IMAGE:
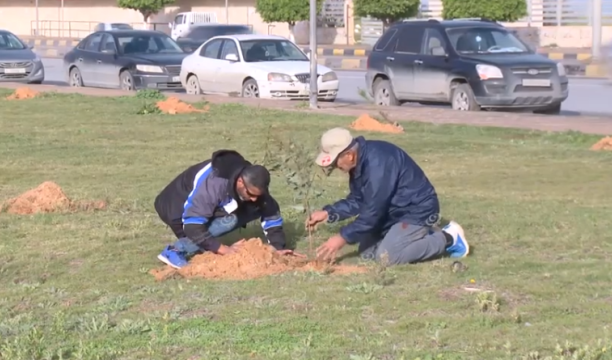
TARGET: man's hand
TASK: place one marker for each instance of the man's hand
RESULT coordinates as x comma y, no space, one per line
316,218
330,248
226,250
286,252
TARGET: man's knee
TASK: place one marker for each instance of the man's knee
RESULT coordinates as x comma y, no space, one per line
222,225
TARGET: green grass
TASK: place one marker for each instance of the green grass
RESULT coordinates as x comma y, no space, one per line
535,206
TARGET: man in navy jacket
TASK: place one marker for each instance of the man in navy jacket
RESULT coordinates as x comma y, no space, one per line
395,204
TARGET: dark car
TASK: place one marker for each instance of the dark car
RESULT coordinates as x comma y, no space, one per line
200,34
18,63
472,64
126,59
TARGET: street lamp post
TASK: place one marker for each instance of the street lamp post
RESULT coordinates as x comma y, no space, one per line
313,55
596,27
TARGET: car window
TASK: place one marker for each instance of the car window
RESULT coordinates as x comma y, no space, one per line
108,44
148,44
179,19
9,41
229,47
207,32
384,40
485,40
410,40
211,50
433,39
271,50
93,43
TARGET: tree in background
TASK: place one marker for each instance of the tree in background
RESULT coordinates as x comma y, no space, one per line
145,7
497,10
387,11
285,11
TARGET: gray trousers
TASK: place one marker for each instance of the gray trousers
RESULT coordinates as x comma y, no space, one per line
406,244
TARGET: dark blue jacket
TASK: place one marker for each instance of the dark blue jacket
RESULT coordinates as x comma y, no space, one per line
387,187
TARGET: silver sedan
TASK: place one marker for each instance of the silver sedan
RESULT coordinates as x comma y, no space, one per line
18,63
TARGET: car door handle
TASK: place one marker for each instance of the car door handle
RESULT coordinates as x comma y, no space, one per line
418,61
80,59
390,58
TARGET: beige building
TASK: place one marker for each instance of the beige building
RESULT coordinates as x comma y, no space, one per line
76,18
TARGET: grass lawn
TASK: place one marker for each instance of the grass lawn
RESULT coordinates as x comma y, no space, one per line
535,206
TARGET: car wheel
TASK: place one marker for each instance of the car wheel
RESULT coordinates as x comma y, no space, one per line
126,80
75,78
383,94
193,85
250,89
463,98
551,110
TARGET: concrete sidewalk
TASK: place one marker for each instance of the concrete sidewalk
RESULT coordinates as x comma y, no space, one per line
598,125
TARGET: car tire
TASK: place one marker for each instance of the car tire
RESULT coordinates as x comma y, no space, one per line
383,93
193,85
551,110
463,98
126,81
250,89
76,80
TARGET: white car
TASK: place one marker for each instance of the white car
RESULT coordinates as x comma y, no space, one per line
252,65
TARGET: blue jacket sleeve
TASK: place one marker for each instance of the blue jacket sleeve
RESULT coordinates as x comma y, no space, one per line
343,209
373,207
198,210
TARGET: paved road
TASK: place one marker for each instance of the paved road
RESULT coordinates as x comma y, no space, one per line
587,96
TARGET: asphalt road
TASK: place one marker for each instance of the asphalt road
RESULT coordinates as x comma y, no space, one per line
587,96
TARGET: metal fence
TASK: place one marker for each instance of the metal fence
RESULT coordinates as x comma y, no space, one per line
79,29
573,12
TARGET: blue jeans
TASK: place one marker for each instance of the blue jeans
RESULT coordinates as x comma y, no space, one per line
218,227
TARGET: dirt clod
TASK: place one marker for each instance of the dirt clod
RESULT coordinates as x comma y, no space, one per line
173,105
253,259
48,197
367,123
603,144
23,93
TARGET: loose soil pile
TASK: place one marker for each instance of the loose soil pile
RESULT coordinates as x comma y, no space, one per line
603,144
48,197
367,123
253,259
23,93
173,105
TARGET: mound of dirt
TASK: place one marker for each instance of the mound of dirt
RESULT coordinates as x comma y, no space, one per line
367,123
23,93
603,144
253,259
48,197
173,105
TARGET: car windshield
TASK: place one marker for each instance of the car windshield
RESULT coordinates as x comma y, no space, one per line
121,27
207,32
148,44
271,50
486,40
9,41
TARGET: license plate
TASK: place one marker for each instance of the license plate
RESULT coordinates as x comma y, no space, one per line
536,82
176,78
14,71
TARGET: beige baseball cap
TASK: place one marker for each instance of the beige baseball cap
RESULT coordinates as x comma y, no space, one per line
333,142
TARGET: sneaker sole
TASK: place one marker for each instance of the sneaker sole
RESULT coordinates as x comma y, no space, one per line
462,234
166,261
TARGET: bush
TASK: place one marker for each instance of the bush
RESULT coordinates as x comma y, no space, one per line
497,10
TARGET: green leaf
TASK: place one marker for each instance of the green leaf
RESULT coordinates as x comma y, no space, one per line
388,11
285,11
145,7
497,10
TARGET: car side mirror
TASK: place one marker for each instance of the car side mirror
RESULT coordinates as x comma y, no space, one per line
438,51
231,57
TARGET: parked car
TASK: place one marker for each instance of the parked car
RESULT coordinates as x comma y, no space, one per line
472,64
183,21
112,26
263,66
198,35
18,63
126,59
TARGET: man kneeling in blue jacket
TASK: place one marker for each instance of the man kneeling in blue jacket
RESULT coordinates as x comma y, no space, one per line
395,204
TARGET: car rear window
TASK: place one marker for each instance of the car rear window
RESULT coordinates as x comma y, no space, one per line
384,40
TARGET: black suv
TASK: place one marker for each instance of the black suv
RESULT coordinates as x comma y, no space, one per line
472,64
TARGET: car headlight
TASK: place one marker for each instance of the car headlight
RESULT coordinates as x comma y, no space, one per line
279,77
149,68
561,69
486,72
330,76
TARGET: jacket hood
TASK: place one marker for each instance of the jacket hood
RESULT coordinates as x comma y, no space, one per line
228,164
